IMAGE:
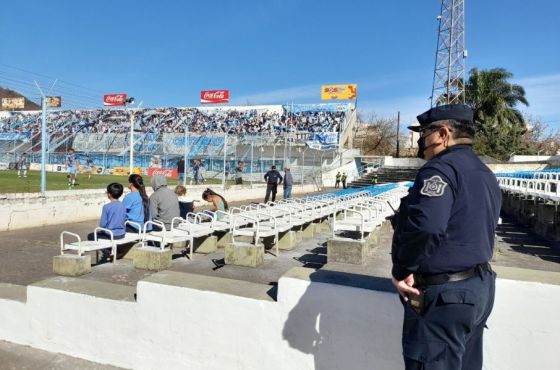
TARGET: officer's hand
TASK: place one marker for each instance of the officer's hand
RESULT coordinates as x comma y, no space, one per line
406,286
393,219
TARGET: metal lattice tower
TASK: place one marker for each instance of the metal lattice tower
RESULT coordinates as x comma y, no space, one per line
448,86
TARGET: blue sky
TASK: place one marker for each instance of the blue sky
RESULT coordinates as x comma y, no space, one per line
272,51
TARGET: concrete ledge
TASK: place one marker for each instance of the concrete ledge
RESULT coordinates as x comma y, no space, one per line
151,258
299,236
519,274
308,230
129,254
368,282
89,287
287,240
206,244
13,292
346,250
212,284
72,265
224,239
244,254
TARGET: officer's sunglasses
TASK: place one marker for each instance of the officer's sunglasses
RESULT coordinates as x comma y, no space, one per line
430,128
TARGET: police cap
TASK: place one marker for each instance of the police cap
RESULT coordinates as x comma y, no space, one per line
458,112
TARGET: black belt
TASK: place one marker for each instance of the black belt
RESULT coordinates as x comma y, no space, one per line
425,280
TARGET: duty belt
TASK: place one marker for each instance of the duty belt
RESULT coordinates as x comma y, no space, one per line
425,280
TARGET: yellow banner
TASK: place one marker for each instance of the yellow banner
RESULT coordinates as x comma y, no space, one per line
123,171
339,92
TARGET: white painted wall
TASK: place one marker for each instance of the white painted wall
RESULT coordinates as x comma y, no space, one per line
312,326
23,210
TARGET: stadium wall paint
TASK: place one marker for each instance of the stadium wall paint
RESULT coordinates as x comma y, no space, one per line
23,210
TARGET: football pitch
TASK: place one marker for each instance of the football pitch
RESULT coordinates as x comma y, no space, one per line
11,183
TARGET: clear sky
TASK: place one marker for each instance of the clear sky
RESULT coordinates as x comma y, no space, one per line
271,51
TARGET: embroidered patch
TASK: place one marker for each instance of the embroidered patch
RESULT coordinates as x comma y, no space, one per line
433,187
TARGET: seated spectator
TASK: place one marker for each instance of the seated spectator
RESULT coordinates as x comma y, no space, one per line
113,217
137,203
218,202
163,202
186,205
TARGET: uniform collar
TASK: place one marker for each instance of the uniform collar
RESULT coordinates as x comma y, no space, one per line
453,148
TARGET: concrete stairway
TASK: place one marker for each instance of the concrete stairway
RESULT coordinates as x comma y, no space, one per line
386,175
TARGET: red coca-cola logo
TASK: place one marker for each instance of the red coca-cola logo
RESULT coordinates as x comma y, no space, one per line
167,172
114,99
214,96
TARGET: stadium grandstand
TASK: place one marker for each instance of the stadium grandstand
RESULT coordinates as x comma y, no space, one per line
297,134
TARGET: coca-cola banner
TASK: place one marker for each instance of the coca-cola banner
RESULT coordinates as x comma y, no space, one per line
214,96
167,172
114,100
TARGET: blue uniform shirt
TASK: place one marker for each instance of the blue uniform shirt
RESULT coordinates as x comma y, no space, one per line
446,223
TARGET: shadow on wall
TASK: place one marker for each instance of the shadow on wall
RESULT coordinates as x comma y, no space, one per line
344,327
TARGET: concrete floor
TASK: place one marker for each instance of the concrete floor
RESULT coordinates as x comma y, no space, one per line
18,357
26,257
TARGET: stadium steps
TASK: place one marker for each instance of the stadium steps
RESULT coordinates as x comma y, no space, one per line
386,175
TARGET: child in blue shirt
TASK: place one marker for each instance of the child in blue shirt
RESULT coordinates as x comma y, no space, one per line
113,215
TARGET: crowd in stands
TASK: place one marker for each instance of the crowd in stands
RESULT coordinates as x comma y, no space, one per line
174,120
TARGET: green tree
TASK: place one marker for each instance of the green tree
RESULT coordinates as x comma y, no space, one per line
500,126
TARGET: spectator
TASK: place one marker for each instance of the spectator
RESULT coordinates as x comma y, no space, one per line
137,203
181,171
23,165
273,179
239,172
113,217
218,202
288,182
343,179
163,202
186,205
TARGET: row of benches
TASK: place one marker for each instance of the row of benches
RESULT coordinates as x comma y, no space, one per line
358,211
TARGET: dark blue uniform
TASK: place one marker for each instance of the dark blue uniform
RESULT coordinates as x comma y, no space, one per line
445,231
273,179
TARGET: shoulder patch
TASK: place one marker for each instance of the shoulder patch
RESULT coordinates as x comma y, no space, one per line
433,187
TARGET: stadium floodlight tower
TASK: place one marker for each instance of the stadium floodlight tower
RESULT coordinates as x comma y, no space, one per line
449,85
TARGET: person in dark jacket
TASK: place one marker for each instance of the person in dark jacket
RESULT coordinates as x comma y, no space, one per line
288,182
273,179
442,245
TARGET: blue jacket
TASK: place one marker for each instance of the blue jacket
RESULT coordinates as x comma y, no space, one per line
447,222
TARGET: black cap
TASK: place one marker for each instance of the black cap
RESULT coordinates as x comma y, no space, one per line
459,112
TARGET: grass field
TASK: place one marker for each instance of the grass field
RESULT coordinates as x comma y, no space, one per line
10,183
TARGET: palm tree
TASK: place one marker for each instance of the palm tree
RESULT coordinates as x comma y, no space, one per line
494,100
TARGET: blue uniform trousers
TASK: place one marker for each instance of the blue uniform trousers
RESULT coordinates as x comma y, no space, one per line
447,334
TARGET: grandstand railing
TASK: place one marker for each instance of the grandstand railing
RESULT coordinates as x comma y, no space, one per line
544,184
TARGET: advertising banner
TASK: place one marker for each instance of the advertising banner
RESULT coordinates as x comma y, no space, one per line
167,172
13,103
339,92
114,100
54,101
214,96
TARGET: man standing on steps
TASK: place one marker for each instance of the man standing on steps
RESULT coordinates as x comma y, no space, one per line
442,245
337,182
343,179
273,179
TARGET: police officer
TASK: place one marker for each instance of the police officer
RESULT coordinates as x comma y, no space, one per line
273,179
443,240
